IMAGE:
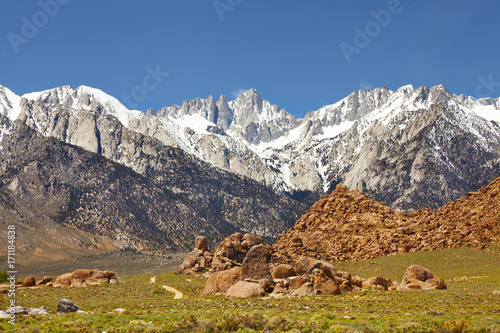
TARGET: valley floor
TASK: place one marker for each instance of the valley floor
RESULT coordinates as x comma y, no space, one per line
468,305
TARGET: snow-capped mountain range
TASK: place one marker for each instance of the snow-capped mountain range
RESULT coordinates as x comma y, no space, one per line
397,146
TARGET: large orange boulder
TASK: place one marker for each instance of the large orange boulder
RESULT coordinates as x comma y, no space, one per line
219,282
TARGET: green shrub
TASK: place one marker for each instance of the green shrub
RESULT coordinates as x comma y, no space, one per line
3,276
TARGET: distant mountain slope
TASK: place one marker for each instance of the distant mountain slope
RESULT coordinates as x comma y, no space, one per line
394,145
65,199
346,225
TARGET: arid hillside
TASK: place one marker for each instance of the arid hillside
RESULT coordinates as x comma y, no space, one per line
346,225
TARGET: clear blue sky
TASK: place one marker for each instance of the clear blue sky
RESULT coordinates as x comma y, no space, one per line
289,50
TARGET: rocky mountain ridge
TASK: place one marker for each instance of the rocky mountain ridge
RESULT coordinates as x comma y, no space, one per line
357,141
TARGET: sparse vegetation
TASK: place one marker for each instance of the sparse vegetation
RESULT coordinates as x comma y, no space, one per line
468,305
3,276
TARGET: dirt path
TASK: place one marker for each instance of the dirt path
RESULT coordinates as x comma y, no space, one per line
177,293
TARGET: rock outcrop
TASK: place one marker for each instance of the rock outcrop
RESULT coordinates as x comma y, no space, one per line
346,225
230,253
418,277
305,276
84,278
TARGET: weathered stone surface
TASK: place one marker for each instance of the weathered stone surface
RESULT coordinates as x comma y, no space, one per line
323,285
29,281
305,265
221,281
365,228
296,282
376,282
66,305
418,277
44,281
304,290
200,243
83,278
251,240
64,280
283,271
416,272
245,289
255,265
39,311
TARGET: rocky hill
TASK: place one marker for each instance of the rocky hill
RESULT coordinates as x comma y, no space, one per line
65,199
346,225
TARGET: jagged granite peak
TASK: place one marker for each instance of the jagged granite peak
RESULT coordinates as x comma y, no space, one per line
351,141
353,107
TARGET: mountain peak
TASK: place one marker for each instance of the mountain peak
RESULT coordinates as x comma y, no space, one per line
249,93
406,89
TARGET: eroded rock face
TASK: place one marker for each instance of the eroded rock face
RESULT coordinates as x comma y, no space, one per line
255,266
200,244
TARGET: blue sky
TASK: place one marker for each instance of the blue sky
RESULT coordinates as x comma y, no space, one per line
292,52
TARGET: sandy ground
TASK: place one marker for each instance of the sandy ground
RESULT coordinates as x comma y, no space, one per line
177,293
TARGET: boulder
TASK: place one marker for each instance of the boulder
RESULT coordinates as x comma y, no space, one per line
221,281
418,277
280,288
200,243
305,265
255,265
39,311
64,280
376,282
20,310
252,240
283,271
29,281
191,259
230,248
416,272
437,283
65,305
44,281
357,281
323,285
296,282
244,289
304,290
